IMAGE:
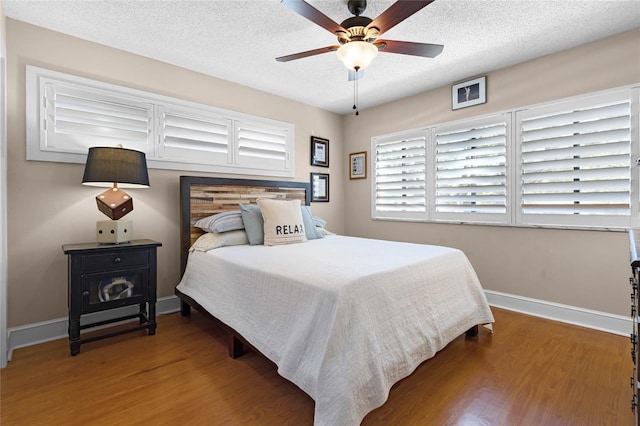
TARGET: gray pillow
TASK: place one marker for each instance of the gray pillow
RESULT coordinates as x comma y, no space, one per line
253,223
309,225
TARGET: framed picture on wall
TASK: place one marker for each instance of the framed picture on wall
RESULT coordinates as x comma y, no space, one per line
469,93
319,152
358,165
320,187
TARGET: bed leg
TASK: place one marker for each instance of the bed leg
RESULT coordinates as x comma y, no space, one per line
472,332
185,309
235,346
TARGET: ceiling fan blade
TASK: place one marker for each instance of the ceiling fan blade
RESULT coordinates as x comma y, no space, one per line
307,53
396,13
303,8
409,48
355,75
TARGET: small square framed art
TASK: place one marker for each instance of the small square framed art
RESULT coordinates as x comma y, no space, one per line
320,187
358,165
319,152
469,93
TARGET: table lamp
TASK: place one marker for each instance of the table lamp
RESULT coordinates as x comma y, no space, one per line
115,168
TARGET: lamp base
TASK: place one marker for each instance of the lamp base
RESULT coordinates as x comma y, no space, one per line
114,231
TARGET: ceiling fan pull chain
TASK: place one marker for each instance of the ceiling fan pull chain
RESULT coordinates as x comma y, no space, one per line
355,91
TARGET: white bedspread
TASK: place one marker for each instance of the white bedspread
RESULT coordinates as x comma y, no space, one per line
343,318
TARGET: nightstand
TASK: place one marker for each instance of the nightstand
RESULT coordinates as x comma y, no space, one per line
108,276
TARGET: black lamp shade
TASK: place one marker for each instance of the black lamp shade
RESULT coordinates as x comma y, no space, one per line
125,167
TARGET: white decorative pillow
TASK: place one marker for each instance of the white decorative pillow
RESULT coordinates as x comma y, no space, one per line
283,222
210,240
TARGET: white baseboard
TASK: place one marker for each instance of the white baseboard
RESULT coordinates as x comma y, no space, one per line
603,321
32,334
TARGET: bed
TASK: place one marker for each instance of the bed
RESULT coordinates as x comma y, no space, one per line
343,318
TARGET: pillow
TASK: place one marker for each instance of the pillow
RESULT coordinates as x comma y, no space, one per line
210,241
221,222
282,221
323,232
253,223
319,222
309,226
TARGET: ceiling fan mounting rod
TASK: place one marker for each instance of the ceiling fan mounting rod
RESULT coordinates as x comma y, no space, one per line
357,7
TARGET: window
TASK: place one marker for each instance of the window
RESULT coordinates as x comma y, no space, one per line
575,162
67,114
470,174
400,170
195,137
562,164
261,146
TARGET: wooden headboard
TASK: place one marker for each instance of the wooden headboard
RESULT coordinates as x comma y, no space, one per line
204,196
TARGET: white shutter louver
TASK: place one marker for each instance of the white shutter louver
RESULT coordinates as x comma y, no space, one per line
78,118
262,146
68,114
575,163
400,169
471,170
193,137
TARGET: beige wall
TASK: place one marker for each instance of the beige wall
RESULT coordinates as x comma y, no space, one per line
3,196
588,269
47,205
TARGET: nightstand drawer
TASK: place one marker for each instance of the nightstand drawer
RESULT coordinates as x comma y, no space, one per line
117,260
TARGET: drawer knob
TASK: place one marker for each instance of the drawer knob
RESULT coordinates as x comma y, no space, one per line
117,260
85,293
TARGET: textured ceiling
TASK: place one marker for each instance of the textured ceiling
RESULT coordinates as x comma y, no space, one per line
238,40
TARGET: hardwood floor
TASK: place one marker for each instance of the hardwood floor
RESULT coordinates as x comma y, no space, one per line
529,372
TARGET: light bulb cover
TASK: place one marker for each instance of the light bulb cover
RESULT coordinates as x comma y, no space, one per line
357,55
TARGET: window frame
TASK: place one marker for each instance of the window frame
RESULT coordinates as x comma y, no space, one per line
390,138
513,216
475,217
37,122
564,220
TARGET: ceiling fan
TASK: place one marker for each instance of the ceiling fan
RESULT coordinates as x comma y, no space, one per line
358,35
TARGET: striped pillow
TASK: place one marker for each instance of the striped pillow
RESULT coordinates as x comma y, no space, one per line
221,222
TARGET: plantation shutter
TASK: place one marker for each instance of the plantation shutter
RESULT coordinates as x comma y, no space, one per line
76,118
471,170
68,114
195,137
262,146
400,167
576,163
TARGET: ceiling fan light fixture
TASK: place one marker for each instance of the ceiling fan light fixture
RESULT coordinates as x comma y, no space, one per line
357,55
